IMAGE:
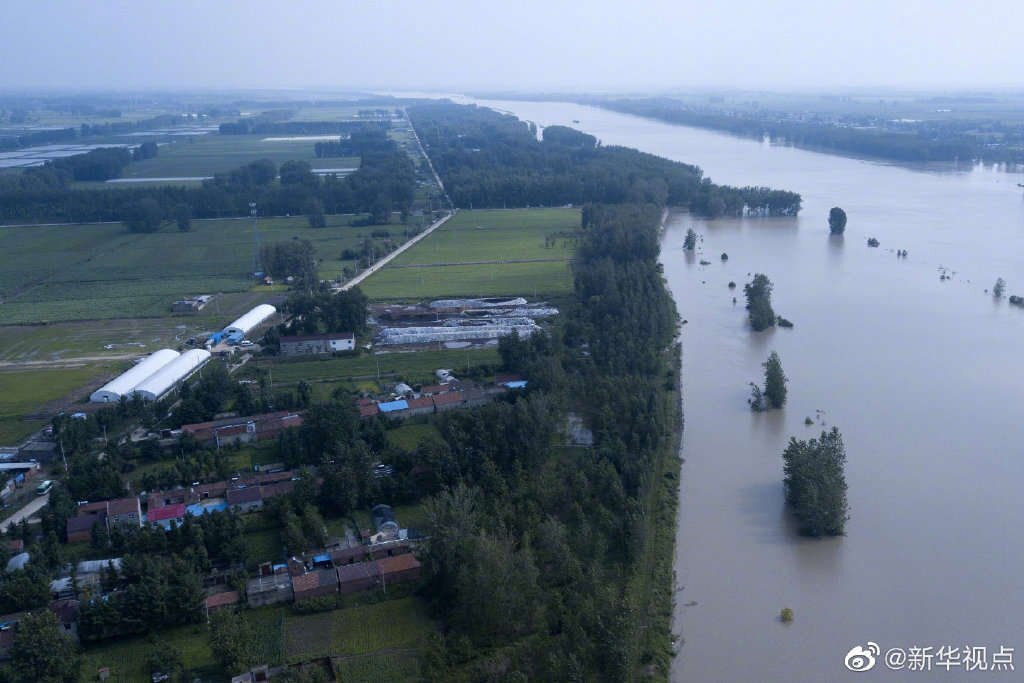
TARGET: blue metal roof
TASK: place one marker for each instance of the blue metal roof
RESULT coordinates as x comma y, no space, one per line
321,558
392,406
517,384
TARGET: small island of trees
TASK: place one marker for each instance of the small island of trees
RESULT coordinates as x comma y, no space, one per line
759,302
815,483
690,241
774,393
836,221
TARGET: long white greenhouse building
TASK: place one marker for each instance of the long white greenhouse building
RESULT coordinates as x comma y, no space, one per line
251,320
125,383
170,375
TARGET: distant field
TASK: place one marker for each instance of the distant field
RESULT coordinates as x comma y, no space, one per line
412,367
99,271
205,155
361,630
474,236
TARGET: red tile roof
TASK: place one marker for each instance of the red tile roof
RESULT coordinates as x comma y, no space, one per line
222,599
450,398
417,403
168,512
398,563
369,411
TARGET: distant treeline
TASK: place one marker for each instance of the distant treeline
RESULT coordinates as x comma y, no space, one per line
62,135
384,183
365,140
487,159
261,125
919,141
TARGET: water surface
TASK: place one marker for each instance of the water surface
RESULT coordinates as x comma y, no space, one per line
921,375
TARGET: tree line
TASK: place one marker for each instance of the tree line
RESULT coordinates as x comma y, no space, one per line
383,184
487,160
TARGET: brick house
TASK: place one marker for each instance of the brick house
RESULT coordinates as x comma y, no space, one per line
315,584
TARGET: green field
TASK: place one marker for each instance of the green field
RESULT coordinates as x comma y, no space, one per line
127,657
411,367
409,436
23,392
493,235
100,271
205,155
360,630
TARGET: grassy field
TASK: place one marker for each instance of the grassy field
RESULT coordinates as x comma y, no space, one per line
384,668
412,367
361,630
205,155
23,392
127,657
493,235
100,271
409,436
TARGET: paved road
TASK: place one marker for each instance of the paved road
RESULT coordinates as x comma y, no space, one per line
387,259
26,512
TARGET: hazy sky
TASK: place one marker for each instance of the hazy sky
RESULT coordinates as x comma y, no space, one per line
525,45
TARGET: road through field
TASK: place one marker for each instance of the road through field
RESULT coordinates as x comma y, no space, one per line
387,259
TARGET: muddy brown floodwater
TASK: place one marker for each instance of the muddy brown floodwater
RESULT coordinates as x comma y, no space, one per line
923,377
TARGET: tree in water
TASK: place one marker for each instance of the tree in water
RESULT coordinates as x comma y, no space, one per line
690,242
759,302
998,288
815,483
836,221
774,381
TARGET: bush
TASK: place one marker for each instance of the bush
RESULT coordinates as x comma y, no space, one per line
786,615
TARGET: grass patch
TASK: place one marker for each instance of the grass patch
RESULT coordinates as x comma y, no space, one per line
409,436
411,516
358,630
127,657
263,546
411,367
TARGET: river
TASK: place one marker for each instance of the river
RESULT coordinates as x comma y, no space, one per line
921,375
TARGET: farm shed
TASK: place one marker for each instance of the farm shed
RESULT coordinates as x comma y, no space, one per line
126,382
170,375
251,320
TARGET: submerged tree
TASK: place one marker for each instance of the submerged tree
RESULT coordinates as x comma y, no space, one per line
759,302
836,221
815,483
998,288
774,381
690,242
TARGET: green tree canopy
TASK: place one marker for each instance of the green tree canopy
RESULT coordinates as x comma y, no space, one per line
815,482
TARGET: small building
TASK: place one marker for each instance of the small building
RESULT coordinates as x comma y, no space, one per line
315,584
79,529
219,601
269,590
167,516
398,569
191,304
361,576
66,611
396,409
315,344
245,500
18,562
232,430
125,513
343,556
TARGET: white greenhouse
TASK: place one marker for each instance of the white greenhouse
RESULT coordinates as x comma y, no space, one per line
170,375
251,320
125,383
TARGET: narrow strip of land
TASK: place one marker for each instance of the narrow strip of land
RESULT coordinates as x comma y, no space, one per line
482,263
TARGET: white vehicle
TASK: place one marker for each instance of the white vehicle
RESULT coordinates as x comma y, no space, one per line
245,342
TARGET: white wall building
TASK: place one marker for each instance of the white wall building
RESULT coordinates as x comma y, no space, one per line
172,374
125,383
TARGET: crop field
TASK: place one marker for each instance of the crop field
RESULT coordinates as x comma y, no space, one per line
100,271
205,155
360,630
470,254
382,668
411,367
